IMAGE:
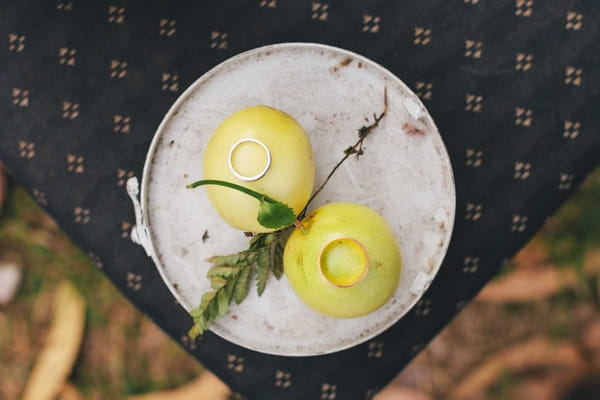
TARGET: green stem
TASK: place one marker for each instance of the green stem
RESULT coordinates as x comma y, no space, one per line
249,192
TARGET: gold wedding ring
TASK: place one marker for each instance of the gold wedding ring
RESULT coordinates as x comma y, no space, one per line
343,262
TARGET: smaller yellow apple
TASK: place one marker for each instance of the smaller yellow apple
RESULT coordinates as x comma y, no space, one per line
262,149
344,261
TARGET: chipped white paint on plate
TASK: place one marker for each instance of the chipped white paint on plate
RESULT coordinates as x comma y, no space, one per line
404,176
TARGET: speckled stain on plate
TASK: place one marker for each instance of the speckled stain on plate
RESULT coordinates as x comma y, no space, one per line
405,175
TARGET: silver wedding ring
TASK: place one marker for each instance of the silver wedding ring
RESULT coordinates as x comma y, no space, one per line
245,177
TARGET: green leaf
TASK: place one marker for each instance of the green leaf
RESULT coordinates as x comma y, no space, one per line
223,271
206,300
222,303
270,238
198,328
276,255
257,241
242,286
196,312
216,282
212,310
230,288
262,272
262,259
231,259
277,262
273,214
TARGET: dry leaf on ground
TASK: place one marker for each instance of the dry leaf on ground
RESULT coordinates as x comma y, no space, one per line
527,284
54,363
538,351
399,392
533,256
69,392
205,387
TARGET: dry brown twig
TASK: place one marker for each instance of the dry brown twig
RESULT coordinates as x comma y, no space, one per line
356,148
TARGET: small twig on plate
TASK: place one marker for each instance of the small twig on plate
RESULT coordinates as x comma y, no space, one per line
357,148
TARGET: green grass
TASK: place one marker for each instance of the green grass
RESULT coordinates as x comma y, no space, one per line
575,229
503,389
